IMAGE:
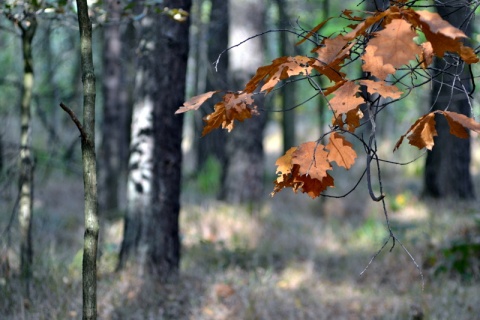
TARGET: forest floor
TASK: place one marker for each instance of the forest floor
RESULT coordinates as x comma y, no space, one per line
289,257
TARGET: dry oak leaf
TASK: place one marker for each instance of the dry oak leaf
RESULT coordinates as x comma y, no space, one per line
427,53
351,121
340,151
382,88
314,187
458,122
284,163
367,23
312,160
395,43
285,177
346,98
291,176
374,64
195,102
234,106
303,183
330,56
444,37
436,24
421,133
280,69
423,130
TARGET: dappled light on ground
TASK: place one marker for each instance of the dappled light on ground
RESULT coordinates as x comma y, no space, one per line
286,258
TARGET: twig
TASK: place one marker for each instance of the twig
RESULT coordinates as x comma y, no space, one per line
215,64
74,118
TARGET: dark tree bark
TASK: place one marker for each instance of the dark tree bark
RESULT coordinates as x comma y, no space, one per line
287,92
217,41
151,240
244,170
114,113
447,168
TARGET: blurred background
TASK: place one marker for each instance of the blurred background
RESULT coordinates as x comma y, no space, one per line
244,255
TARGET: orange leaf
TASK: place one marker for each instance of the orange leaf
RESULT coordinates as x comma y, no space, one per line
311,158
458,122
281,68
349,121
299,170
234,106
427,53
341,151
363,26
374,64
443,36
436,24
395,43
195,102
333,88
382,88
284,163
314,187
346,98
285,177
422,133
331,54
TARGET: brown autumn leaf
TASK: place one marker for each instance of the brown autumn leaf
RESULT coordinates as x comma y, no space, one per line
458,122
195,102
215,119
284,163
443,36
395,43
280,69
330,56
421,133
303,171
364,25
346,98
436,24
341,151
312,160
284,170
313,187
427,54
423,130
286,181
375,65
382,88
234,106
333,88
349,121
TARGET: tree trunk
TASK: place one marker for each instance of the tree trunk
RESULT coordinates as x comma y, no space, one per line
244,169
287,92
217,40
28,27
151,239
114,113
447,168
87,130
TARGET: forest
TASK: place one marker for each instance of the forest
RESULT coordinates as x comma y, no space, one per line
145,146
